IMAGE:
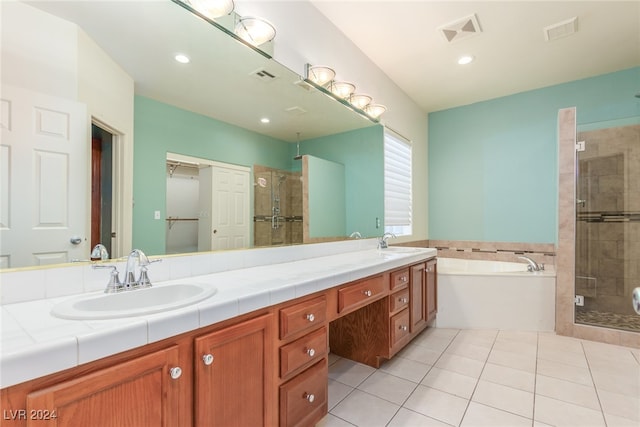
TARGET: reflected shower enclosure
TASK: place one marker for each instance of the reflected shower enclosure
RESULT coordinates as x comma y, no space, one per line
608,226
277,207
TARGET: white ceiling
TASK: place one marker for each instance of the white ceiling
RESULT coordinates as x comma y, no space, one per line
511,53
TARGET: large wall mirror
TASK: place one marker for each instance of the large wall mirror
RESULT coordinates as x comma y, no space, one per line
103,76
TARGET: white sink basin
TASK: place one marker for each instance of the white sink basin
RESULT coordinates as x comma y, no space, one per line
132,303
401,250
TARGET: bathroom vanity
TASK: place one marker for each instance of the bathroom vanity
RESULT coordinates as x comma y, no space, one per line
266,366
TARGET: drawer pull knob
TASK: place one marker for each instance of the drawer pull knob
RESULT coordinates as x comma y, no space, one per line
402,327
175,372
311,352
309,397
311,317
367,293
207,359
403,278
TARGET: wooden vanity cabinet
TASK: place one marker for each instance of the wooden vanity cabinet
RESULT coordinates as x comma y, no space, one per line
303,366
233,375
417,292
144,391
431,289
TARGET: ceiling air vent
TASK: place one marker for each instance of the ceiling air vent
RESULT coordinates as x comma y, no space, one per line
461,29
264,75
561,29
295,111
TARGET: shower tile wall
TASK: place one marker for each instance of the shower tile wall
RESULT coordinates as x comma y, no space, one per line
607,236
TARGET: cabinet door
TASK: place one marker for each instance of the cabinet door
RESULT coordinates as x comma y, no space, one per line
232,375
431,287
416,285
140,392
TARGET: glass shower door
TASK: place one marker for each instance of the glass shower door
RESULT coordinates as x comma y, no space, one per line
608,226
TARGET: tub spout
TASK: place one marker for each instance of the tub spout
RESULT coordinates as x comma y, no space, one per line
533,266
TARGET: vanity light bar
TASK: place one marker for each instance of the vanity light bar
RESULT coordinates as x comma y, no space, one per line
323,78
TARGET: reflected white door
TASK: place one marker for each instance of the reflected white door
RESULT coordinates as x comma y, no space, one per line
44,176
224,221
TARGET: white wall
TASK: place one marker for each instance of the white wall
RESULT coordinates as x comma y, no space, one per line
304,35
46,54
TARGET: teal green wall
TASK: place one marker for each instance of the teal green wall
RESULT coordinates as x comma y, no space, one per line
160,128
362,154
493,165
327,210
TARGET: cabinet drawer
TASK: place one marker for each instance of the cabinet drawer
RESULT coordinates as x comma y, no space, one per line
303,316
399,279
359,294
303,400
303,351
399,300
399,326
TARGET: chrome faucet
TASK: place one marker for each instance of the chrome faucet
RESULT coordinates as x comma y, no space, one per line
130,281
99,252
382,241
355,235
533,266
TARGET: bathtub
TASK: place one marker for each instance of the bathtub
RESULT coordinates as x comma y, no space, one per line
475,294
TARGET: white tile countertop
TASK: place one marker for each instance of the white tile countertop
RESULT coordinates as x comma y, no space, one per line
35,343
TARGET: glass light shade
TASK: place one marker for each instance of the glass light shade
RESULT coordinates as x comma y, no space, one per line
320,75
255,31
375,110
342,89
212,8
360,100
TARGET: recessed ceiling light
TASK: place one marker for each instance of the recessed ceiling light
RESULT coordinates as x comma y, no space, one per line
465,59
265,120
182,58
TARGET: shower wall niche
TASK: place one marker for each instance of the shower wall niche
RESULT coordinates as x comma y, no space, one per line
277,207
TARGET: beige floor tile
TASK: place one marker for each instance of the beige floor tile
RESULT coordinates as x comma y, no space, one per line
432,342
363,409
627,384
513,360
564,372
518,336
461,365
508,399
614,421
522,380
349,372
406,368
337,392
420,354
388,387
333,421
479,415
480,337
472,351
407,418
567,391
437,404
550,341
620,405
561,356
562,414
450,382
518,347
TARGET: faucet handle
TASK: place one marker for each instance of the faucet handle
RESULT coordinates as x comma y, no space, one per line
114,284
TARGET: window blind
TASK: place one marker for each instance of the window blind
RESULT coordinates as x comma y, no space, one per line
397,183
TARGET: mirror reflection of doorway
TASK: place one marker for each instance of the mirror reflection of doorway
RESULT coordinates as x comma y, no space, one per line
207,205
102,142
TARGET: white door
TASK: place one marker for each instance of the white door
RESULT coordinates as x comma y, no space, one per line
224,221
44,176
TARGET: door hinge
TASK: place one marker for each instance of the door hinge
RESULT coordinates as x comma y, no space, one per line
580,146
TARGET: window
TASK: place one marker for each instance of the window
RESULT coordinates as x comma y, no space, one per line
397,184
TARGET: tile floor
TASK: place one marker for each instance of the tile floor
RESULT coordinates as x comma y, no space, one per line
450,377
